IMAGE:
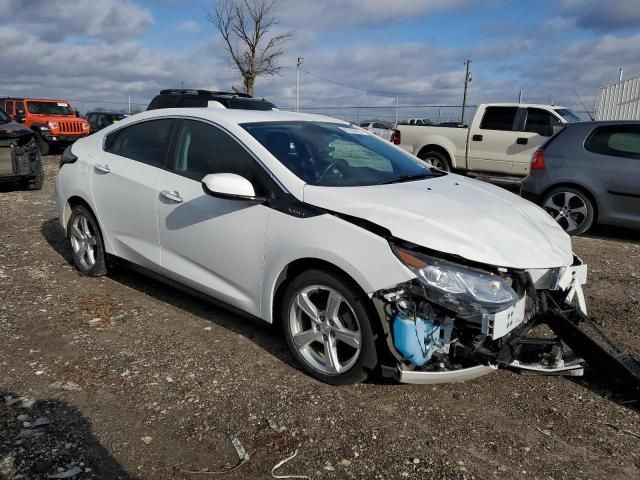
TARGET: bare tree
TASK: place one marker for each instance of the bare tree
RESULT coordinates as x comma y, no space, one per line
245,26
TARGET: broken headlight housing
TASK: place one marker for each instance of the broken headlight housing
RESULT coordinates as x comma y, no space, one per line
457,287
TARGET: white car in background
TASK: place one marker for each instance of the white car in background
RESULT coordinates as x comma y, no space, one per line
370,260
378,128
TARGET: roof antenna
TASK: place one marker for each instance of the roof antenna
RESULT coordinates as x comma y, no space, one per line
583,106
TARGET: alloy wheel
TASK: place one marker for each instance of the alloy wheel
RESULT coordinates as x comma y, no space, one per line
568,209
83,241
325,329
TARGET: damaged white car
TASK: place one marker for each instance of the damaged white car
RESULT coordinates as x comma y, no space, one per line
370,260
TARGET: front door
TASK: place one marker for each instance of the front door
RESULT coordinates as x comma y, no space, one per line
491,146
212,244
617,149
538,128
124,182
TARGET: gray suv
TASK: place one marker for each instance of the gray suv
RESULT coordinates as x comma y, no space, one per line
588,173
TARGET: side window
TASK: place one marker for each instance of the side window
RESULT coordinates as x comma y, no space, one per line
145,142
499,118
618,140
202,149
19,107
9,108
540,121
378,125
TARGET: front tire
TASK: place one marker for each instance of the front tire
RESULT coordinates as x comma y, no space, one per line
571,208
85,240
325,321
36,182
42,145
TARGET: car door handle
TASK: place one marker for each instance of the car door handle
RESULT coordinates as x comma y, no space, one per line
103,168
522,141
173,196
477,138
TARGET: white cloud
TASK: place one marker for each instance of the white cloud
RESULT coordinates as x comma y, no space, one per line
55,20
327,14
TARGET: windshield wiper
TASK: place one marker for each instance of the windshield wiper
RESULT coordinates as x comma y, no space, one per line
411,178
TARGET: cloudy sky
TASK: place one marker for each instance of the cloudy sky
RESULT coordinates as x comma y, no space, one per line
109,50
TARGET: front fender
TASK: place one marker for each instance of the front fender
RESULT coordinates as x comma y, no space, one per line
364,256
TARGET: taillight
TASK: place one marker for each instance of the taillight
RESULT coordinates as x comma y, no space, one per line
395,137
537,162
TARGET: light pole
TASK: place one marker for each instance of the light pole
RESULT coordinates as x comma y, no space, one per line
467,79
300,59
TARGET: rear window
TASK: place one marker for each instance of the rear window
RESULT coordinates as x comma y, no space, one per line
615,140
499,118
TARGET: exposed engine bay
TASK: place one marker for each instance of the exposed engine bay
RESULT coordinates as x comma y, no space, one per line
455,322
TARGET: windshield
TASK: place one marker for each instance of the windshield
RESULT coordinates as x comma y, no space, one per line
569,115
337,155
49,108
4,118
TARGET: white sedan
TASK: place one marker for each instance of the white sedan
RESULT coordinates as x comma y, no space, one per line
370,260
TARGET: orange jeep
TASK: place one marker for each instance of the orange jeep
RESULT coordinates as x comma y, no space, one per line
53,121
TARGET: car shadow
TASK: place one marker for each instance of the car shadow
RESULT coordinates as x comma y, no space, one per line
39,437
264,335
617,234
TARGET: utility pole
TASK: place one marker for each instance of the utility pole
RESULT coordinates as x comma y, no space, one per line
467,79
620,75
129,109
396,111
520,97
300,59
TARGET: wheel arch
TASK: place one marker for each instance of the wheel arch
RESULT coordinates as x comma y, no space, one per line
71,202
295,268
434,147
575,186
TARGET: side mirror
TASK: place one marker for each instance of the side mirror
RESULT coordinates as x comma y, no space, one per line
230,186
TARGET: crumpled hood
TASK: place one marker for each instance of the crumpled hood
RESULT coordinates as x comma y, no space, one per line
456,215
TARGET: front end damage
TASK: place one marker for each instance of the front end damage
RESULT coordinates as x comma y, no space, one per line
458,321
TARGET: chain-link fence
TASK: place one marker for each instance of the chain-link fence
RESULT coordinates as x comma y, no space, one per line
83,106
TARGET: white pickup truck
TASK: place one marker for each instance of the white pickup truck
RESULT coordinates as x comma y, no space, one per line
500,141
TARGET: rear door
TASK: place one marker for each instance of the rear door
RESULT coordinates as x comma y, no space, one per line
215,245
536,125
124,183
618,149
492,142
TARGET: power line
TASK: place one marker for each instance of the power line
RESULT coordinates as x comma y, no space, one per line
381,92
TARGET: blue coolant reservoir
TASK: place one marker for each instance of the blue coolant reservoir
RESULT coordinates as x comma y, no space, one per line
416,339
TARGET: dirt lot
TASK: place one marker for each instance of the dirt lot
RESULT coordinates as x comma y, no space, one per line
121,377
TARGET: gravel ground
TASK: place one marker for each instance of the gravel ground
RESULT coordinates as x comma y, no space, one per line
122,377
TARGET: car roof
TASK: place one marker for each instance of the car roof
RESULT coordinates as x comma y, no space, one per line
236,116
526,105
598,123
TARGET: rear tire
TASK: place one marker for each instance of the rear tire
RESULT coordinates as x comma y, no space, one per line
437,160
85,241
571,208
325,321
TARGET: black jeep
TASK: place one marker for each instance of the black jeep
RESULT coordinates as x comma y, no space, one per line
19,154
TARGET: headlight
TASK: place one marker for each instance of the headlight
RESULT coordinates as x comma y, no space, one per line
85,126
53,125
457,287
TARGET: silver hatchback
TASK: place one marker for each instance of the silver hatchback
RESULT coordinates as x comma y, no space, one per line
588,173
